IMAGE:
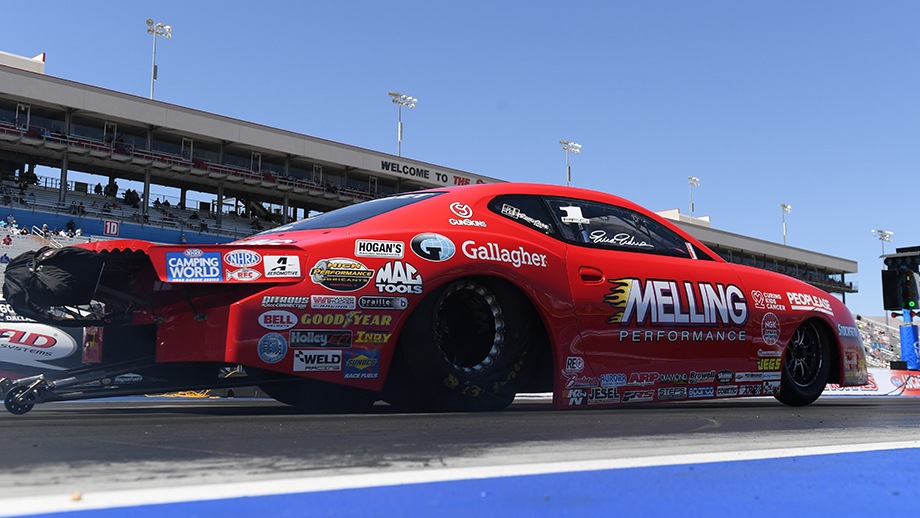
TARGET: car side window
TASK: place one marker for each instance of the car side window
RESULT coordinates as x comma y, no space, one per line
529,211
599,225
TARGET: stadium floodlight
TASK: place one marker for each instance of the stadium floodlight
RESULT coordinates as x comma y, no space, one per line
569,147
786,210
157,29
694,182
401,100
884,236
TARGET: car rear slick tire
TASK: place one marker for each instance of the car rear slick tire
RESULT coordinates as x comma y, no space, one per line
806,366
469,346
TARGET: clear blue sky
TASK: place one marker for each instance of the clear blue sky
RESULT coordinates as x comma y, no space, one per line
809,103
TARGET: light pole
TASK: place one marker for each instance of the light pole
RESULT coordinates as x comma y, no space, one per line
157,29
569,147
883,236
401,100
786,210
694,182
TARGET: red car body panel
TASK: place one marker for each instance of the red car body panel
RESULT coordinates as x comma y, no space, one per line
623,325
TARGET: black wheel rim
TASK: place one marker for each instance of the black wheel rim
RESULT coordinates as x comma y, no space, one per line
14,404
804,357
469,326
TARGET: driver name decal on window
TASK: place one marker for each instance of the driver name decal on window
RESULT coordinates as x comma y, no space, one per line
621,239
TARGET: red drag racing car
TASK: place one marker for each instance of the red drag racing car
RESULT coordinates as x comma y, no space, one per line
447,299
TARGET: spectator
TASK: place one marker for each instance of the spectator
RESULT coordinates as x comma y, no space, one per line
45,230
98,189
7,240
71,226
4,259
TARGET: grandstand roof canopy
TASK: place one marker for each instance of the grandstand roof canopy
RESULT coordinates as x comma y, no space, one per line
77,127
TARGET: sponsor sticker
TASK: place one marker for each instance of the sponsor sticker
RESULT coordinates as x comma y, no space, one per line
341,274
465,213
243,275
332,301
194,265
770,328
372,337
638,396
296,302
727,391
280,266
494,252
771,388
574,364
613,380
317,360
641,379
277,320
379,302
701,392
32,344
702,377
361,365
352,318
376,248
433,247
242,258
398,277
725,376
768,301
272,348
599,395
320,338
748,376
666,303
667,393
769,364
749,390
576,396
807,302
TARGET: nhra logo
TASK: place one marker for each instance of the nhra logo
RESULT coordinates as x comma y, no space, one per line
433,247
398,277
242,258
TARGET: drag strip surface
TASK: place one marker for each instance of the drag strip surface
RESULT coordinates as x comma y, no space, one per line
90,447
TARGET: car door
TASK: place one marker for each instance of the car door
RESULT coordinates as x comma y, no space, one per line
658,316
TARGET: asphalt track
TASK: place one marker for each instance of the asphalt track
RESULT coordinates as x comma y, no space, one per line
845,456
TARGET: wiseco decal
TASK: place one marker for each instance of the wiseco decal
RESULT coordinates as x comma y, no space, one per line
668,303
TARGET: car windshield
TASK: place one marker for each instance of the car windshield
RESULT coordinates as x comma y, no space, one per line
353,213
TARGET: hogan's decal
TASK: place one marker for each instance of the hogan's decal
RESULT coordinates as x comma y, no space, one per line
669,303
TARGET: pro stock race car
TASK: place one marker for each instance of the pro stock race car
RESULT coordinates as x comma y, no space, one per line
448,299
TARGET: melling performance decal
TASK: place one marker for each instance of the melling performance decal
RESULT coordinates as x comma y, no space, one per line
193,265
341,274
667,303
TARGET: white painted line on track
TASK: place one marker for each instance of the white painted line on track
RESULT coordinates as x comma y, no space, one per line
108,499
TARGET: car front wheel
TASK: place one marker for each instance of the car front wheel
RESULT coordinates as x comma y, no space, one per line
806,366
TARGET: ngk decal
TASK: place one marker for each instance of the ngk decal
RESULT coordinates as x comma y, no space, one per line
32,344
770,329
398,277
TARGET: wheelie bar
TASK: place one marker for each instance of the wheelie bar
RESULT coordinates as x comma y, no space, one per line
22,394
